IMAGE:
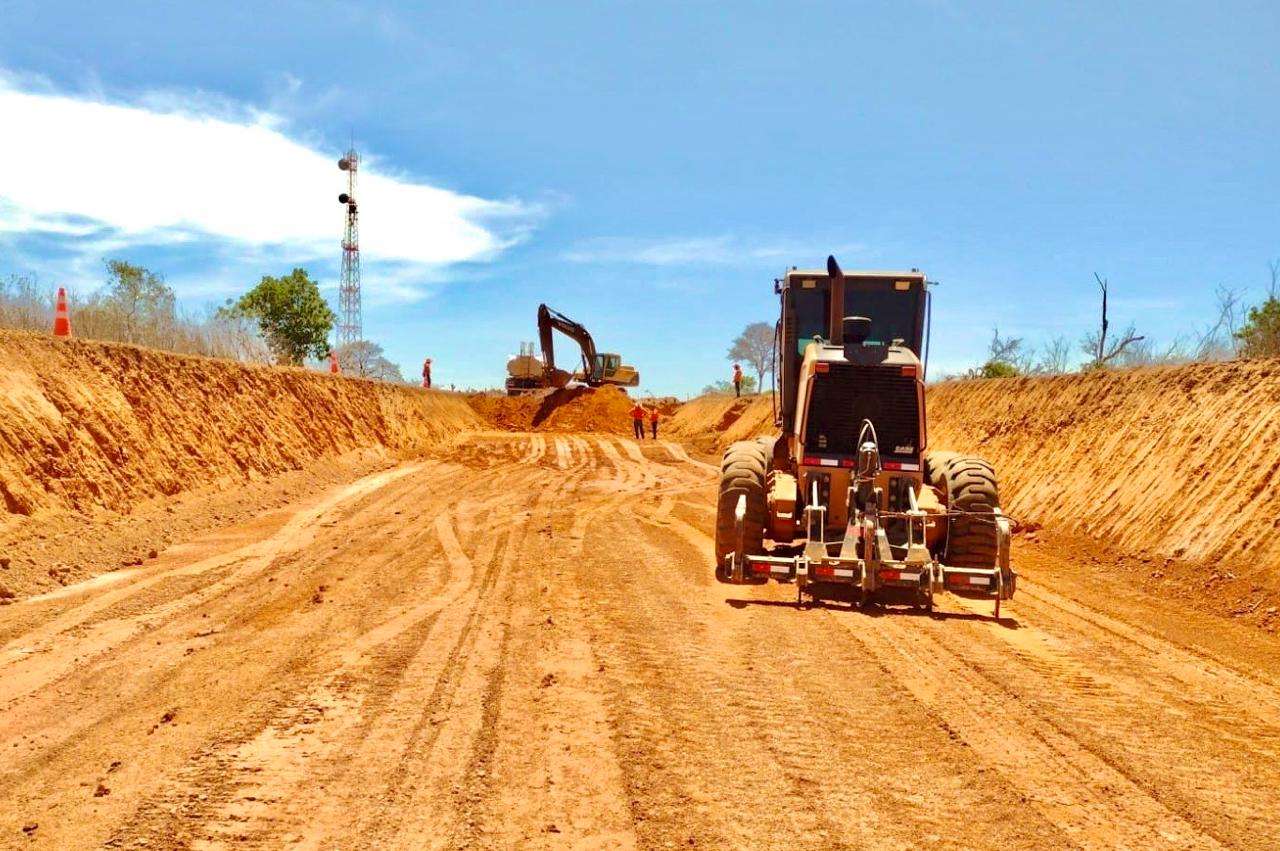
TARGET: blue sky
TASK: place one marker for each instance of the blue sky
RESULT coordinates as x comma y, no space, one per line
649,168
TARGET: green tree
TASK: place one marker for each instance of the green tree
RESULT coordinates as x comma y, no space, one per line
754,347
1260,335
291,314
1005,358
142,300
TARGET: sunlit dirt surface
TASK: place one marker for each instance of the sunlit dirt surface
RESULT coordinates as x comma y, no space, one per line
520,645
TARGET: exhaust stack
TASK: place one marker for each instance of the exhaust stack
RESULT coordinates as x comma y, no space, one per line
835,316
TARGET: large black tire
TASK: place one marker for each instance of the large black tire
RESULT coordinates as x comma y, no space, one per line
742,471
970,486
766,443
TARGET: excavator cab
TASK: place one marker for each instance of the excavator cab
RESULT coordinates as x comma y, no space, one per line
605,366
608,368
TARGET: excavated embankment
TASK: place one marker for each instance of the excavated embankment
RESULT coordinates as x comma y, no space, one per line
87,425
1182,460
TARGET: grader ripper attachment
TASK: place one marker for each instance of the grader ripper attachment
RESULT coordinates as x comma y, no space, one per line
848,502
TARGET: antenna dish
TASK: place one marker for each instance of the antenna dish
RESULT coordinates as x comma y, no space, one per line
344,198
344,164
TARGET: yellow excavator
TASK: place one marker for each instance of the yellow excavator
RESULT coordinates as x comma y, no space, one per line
527,373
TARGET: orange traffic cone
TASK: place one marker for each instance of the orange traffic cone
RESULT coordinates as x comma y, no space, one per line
62,316
333,363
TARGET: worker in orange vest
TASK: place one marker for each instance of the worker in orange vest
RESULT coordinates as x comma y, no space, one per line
653,421
637,420
737,380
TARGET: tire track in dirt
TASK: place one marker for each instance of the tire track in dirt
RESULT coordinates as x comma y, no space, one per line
513,651
583,449
461,764
537,449
1248,686
240,631
679,453
1201,740
632,449
44,654
1095,803
908,649
274,774
93,628
1098,803
705,717
260,790
564,455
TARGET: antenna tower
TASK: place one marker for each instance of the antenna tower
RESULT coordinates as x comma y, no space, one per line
349,325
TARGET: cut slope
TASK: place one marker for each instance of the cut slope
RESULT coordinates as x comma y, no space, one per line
86,425
1182,461
711,423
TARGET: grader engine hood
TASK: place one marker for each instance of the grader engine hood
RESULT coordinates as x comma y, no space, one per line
843,395
843,386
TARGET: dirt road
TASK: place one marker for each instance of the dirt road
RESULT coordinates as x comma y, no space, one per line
521,647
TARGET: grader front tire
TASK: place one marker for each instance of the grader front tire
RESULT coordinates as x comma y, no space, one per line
742,473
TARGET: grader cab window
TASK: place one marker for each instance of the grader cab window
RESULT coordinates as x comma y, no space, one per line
893,313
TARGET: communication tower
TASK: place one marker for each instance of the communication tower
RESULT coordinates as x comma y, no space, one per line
349,325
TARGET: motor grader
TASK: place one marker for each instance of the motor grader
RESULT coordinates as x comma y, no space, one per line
848,501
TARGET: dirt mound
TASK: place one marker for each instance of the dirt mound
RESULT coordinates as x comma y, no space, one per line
711,423
87,426
505,413
570,409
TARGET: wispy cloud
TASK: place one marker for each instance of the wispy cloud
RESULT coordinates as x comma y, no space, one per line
171,167
702,251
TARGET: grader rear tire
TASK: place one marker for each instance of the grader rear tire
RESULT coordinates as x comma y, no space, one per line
970,486
742,472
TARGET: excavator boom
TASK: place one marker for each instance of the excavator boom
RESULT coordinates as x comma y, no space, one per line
549,320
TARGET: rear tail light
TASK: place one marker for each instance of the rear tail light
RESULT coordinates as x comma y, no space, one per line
968,579
824,571
760,567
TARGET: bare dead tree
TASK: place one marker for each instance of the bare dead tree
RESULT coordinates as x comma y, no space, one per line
1004,349
1056,357
1218,340
1096,344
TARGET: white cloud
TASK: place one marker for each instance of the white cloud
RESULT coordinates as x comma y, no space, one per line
172,168
701,251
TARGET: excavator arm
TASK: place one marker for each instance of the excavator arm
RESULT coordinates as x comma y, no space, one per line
549,320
